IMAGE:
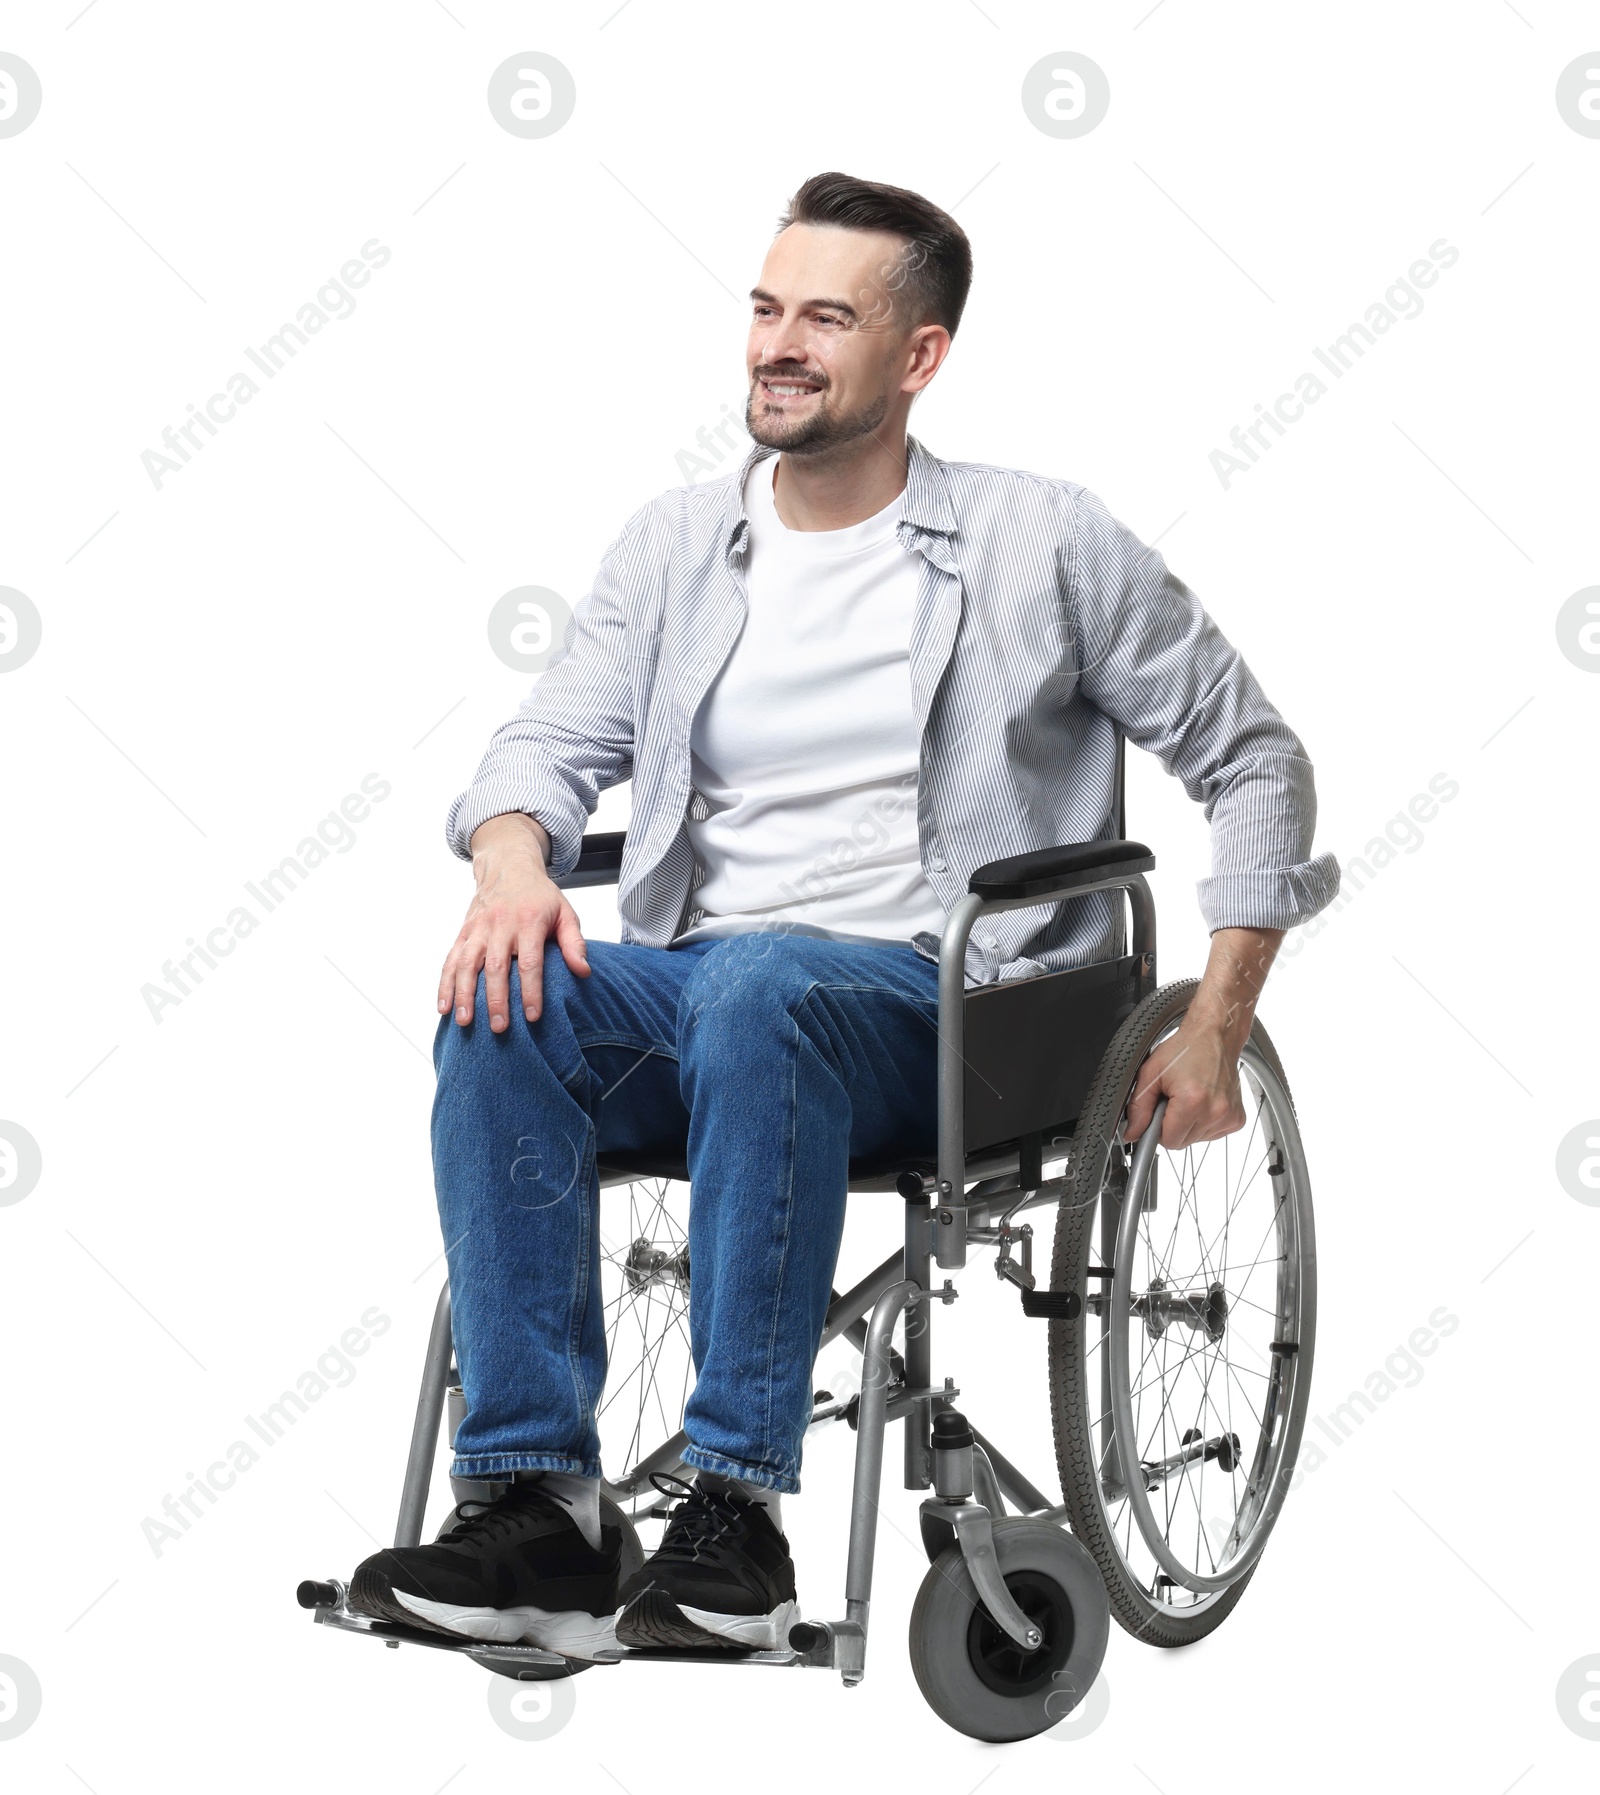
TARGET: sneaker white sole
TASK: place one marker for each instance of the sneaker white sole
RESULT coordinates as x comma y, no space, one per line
758,1632
573,1633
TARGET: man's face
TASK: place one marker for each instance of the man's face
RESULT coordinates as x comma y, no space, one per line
830,337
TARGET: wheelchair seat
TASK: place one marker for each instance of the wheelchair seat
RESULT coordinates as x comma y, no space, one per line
878,1174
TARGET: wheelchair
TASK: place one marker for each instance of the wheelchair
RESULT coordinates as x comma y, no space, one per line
1178,1311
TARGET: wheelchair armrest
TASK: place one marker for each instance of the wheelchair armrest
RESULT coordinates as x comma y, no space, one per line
599,860
1053,872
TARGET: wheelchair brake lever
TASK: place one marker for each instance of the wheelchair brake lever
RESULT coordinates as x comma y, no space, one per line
1004,1265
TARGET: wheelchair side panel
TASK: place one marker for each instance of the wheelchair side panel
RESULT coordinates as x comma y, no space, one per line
1033,1045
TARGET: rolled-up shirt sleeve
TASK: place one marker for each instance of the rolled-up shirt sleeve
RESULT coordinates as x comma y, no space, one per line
574,733
1152,660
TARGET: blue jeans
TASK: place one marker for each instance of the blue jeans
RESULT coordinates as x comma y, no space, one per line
767,1062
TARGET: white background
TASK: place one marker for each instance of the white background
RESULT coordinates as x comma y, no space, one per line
225,658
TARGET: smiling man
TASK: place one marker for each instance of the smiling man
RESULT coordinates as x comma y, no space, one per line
840,680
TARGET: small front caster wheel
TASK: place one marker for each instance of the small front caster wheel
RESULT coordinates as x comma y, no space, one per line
973,1675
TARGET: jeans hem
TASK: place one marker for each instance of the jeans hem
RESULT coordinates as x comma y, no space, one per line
784,1482
491,1466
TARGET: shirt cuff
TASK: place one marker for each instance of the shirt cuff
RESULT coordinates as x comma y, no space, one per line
551,805
1279,899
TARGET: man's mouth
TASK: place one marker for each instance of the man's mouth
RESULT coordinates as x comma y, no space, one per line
787,392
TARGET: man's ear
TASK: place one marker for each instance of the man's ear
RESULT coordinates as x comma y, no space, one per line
928,345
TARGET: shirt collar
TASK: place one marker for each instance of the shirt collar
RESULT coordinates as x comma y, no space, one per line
926,509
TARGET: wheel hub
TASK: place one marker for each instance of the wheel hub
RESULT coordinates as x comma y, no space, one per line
1003,1665
648,1264
1203,1310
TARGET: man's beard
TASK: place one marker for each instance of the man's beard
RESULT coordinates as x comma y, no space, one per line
821,431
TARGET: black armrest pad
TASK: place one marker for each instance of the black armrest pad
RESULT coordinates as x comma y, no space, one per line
599,860
1048,871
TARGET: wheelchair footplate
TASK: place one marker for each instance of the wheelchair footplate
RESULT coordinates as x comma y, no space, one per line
330,1606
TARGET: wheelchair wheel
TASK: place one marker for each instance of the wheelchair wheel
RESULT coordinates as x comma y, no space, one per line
644,1285
973,1675
1190,1363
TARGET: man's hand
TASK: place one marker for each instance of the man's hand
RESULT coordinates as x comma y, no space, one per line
1197,1069
516,909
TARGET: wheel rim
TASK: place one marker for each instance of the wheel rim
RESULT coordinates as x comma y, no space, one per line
1208,1346
644,1286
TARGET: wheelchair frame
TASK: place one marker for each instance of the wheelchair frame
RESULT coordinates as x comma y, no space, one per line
944,1219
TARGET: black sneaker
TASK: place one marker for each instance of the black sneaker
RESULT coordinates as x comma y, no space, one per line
722,1578
513,1571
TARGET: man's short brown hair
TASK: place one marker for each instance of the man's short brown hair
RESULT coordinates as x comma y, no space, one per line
937,271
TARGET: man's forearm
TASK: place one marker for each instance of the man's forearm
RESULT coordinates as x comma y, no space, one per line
513,836
1231,985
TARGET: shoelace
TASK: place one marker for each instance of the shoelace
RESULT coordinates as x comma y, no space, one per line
702,1520
497,1516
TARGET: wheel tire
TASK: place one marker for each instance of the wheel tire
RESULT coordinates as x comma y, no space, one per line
1070,1403
523,1672
972,1676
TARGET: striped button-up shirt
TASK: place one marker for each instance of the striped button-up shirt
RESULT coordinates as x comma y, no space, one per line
1042,628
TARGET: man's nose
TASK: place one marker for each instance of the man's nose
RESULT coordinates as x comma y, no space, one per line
785,346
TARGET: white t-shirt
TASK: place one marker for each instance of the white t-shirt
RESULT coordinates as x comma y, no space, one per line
805,746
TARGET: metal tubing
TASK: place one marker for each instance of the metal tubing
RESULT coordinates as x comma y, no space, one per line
1019,1491
425,1430
919,1349
950,1225
1143,905
869,1463
985,1485
974,1527
844,1310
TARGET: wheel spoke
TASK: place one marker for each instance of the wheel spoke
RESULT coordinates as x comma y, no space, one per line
644,1305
